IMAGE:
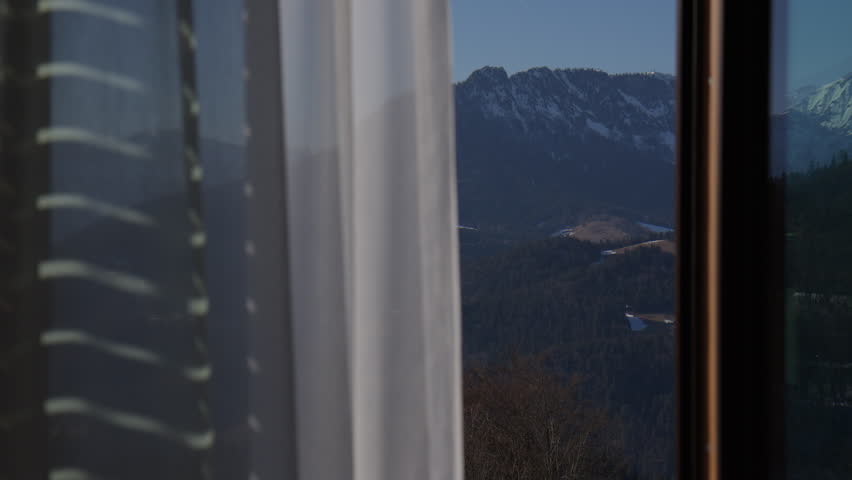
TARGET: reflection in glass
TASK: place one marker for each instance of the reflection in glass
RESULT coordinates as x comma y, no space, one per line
126,245
812,114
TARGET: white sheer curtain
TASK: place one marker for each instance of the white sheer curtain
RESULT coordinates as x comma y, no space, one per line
372,231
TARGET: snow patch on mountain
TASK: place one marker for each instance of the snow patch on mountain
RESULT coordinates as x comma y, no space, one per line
656,111
598,128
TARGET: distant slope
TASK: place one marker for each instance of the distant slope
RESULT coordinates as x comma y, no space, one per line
666,246
607,228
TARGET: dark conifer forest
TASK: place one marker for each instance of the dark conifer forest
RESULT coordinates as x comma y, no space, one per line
561,301
819,319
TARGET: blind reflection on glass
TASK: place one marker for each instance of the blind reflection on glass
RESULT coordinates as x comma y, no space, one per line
812,123
126,234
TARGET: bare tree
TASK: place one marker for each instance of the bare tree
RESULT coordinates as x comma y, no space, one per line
524,422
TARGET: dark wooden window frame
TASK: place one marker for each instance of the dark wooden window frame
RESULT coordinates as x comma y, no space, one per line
730,273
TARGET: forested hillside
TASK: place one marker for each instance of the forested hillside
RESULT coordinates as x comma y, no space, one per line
819,319
562,299
557,291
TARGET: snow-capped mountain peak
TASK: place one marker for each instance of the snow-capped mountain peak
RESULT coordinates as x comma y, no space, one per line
831,104
635,109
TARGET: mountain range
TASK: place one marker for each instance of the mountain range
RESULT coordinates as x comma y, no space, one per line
545,148
542,148
816,125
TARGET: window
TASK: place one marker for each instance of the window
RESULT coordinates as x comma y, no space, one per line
140,186
811,145
763,390
565,134
230,245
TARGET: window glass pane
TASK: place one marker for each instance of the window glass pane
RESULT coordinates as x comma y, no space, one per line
811,140
120,264
565,148
134,336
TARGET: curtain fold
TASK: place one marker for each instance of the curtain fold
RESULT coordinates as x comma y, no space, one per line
371,196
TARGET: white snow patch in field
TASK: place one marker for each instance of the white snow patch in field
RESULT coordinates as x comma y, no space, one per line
636,323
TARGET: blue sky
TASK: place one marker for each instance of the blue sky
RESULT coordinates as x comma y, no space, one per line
819,42
613,35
